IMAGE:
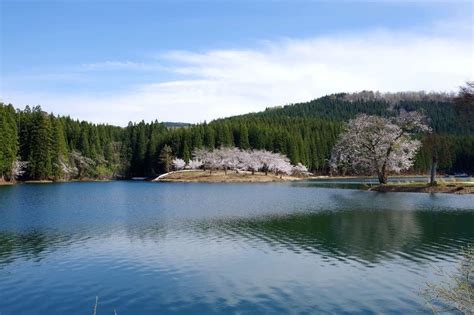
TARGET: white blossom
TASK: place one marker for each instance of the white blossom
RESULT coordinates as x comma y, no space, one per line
195,164
249,161
228,158
378,145
19,168
208,158
236,159
300,169
281,165
178,164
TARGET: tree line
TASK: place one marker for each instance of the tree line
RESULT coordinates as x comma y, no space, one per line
61,148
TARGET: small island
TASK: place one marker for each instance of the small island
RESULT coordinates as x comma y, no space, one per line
219,176
201,176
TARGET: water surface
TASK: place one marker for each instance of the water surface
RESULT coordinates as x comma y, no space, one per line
148,248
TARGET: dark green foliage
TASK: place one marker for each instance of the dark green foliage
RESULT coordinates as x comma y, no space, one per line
48,142
60,147
8,140
464,104
166,157
40,152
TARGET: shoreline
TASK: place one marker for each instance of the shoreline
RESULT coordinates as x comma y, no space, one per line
47,181
458,188
200,176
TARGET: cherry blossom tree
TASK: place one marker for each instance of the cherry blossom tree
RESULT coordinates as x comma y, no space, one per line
249,161
195,164
378,145
178,164
266,158
228,158
18,169
209,159
300,169
281,165
235,159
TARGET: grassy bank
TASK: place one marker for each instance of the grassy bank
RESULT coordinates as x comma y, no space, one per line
221,177
452,188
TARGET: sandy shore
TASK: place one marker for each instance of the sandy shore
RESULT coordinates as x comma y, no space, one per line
5,183
221,177
86,180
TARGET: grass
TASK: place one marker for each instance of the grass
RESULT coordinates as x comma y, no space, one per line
440,187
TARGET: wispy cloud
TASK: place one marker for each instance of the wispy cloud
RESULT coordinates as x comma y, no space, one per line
225,82
121,65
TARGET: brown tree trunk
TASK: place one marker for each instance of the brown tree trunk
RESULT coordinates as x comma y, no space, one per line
382,175
434,166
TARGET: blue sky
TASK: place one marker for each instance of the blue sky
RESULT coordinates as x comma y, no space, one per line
114,61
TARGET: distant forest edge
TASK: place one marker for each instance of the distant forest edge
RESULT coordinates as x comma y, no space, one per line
50,147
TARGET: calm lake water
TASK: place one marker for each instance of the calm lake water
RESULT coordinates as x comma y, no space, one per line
159,248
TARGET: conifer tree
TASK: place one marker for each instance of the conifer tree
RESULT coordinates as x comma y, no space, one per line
39,158
58,148
166,158
244,137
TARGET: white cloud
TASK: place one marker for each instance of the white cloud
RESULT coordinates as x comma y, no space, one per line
225,82
121,65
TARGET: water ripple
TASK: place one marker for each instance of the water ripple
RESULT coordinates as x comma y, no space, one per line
284,248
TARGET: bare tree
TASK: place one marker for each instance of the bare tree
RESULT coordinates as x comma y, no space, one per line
397,97
456,292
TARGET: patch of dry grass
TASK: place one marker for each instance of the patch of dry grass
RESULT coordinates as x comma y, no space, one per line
453,188
221,177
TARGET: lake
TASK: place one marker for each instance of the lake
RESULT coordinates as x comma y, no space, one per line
182,248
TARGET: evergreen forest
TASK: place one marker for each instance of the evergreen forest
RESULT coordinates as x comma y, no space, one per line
35,145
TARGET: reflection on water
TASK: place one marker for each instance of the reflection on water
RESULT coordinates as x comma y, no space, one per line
213,248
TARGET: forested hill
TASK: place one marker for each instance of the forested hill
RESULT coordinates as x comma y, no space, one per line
444,116
307,131
52,147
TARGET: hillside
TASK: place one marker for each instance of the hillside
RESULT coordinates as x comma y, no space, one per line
307,131
63,148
